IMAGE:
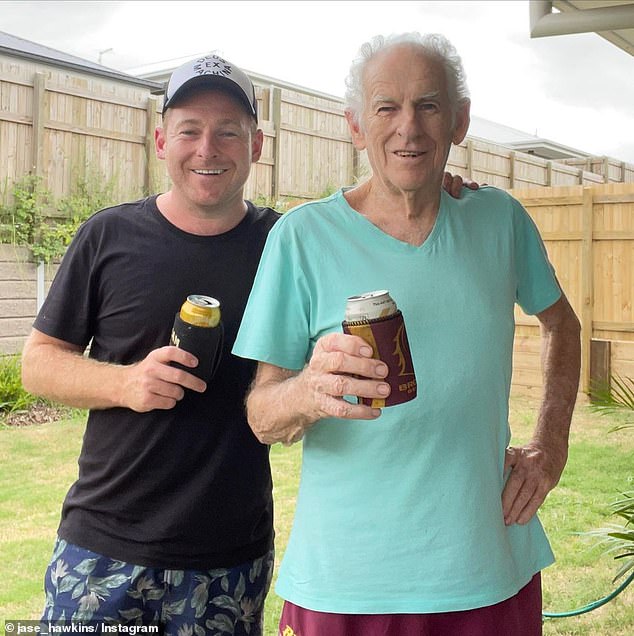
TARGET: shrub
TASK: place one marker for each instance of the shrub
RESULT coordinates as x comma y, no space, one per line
31,223
13,397
618,397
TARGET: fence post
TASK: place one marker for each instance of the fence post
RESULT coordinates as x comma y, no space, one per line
587,285
600,366
39,91
356,168
151,161
40,286
469,159
276,118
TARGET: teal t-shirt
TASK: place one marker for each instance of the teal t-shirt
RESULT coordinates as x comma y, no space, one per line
403,514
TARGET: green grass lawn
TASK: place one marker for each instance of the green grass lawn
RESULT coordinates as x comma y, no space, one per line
39,462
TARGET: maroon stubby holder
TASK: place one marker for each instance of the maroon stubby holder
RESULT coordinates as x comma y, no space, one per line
388,338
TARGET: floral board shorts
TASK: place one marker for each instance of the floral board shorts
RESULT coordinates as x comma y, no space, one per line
87,589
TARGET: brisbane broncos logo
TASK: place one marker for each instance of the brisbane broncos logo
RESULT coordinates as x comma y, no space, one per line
401,351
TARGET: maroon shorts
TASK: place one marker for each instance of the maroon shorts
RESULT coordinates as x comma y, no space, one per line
520,615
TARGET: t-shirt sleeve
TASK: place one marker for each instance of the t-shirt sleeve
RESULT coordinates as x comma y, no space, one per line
65,313
275,325
537,287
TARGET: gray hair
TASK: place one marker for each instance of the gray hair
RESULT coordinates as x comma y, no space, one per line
433,44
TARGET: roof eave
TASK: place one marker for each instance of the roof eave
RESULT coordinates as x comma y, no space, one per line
101,72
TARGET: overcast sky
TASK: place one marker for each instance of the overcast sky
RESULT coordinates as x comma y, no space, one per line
577,90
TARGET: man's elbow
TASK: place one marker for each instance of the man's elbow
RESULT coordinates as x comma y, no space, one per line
254,418
264,437
568,331
27,384
267,424
29,367
572,323
261,433
560,318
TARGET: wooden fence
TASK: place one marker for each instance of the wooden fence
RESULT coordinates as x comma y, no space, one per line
612,170
63,126
589,235
495,165
60,126
307,146
66,126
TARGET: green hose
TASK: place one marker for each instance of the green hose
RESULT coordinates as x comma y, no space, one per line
592,606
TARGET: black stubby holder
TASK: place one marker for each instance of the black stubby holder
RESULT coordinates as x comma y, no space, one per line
203,342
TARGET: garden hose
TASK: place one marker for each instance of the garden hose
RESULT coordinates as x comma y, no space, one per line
591,606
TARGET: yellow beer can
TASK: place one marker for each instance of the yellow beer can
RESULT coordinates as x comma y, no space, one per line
200,311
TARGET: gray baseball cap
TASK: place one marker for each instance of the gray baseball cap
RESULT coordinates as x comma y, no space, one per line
215,71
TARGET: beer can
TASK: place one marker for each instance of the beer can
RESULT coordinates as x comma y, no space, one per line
198,329
376,304
201,311
375,317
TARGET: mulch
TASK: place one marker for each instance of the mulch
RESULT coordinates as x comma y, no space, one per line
36,414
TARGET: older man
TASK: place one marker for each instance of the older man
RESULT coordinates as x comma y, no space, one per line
417,518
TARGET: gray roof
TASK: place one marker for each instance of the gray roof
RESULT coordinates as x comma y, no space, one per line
522,141
25,49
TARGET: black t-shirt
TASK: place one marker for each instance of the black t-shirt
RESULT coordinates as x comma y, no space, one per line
186,488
